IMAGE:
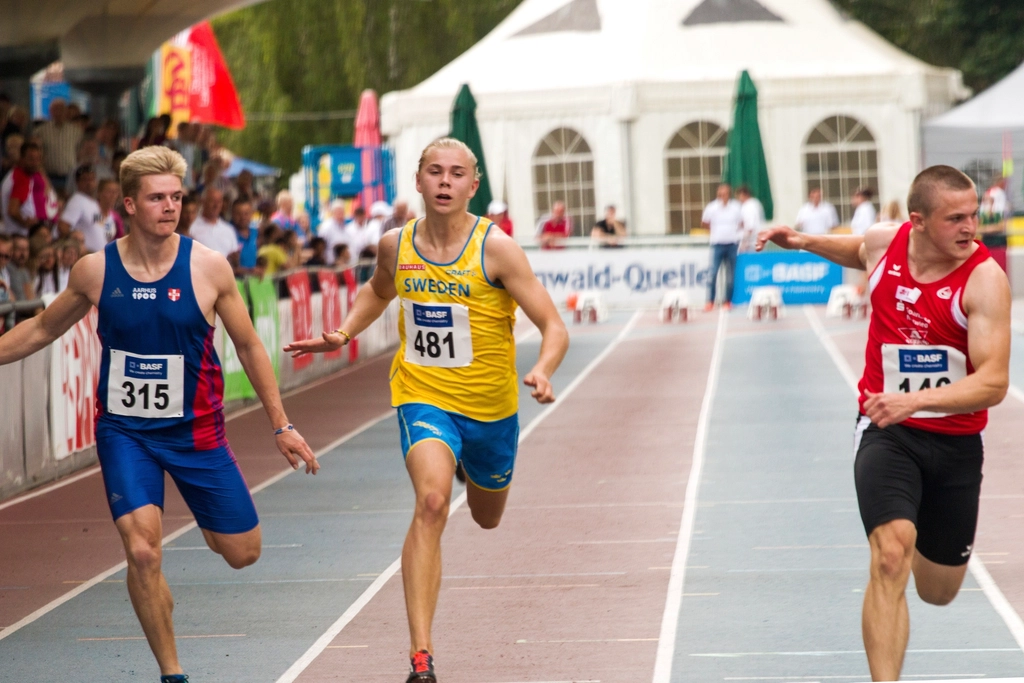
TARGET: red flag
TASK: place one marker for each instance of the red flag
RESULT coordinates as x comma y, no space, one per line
331,314
351,289
213,95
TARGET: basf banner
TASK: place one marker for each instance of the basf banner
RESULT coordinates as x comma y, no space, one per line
625,277
804,278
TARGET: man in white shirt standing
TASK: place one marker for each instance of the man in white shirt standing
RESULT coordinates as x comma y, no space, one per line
864,215
82,213
209,229
816,217
332,230
723,217
752,213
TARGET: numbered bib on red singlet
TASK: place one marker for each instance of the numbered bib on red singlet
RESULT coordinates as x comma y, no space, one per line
146,386
437,335
915,368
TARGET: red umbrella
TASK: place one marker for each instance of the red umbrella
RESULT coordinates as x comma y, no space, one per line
367,135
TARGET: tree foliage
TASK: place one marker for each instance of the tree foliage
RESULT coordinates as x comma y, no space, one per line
982,38
319,55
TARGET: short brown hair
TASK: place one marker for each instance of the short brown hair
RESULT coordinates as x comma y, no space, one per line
922,197
152,160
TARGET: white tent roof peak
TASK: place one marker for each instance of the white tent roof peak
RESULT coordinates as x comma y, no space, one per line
1000,106
548,45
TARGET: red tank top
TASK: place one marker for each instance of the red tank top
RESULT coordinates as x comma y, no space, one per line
918,335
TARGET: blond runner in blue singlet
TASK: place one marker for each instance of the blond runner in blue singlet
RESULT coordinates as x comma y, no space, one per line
453,381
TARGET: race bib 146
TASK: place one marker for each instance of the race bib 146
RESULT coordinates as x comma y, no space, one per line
915,368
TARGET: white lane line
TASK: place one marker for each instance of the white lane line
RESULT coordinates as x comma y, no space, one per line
528,576
992,592
57,602
674,599
227,418
314,651
831,653
52,487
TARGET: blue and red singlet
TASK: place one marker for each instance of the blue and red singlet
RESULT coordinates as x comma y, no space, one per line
160,377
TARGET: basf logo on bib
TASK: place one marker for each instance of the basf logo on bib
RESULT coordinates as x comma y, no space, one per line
804,278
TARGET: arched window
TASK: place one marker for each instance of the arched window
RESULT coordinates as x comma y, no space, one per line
840,155
693,170
563,170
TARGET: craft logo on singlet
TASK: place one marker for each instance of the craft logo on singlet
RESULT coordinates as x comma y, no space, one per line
173,294
144,292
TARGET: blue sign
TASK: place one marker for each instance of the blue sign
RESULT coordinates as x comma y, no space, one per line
432,316
932,360
803,278
145,368
346,172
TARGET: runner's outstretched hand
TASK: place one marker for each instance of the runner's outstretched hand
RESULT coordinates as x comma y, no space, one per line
293,446
541,387
329,342
785,237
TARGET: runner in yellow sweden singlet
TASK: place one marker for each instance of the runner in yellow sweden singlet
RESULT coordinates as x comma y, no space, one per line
457,351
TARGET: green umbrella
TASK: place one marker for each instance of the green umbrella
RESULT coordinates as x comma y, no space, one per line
744,164
464,128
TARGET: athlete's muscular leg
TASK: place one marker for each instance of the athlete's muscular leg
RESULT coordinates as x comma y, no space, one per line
885,622
141,532
431,468
487,507
238,550
937,584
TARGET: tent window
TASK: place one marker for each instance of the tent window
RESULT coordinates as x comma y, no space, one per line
983,172
840,155
693,169
563,170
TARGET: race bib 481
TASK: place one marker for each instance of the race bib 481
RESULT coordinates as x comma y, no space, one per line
437,335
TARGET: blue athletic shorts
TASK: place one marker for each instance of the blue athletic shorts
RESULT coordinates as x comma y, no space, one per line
487,450
209,481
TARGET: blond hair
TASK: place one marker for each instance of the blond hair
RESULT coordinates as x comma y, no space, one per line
449,143
153,160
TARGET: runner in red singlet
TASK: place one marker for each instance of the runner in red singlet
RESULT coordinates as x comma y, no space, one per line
937,358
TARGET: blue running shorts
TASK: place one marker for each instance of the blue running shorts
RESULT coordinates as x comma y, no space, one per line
209,481
487,450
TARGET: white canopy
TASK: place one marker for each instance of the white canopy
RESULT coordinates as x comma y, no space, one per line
628,74
979,134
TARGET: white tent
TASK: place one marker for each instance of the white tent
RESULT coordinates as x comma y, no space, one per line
628,75
976,136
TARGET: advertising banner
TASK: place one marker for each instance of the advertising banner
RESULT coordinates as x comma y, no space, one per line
351,289
346,174
263,296
804,278
74,373
236,383
331,314
302,313
625,277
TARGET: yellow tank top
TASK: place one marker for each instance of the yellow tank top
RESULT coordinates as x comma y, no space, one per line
456,349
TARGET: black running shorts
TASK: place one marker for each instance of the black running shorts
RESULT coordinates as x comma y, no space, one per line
933,480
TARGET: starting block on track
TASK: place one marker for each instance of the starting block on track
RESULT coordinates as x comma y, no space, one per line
677,301
587,306
844,301
766,302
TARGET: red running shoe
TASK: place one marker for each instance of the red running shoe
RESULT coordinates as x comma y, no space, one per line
422,668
